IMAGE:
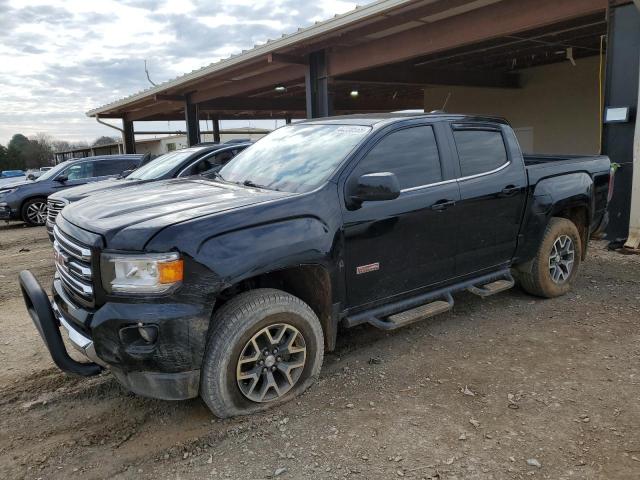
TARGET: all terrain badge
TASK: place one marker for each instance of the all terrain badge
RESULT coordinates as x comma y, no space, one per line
372,267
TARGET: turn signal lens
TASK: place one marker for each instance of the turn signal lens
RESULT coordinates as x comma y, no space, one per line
171,272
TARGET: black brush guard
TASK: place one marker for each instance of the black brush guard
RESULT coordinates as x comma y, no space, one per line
40,311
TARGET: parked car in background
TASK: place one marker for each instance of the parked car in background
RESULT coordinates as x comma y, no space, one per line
197,160
11,173
27,200
11,180
33,174
232,288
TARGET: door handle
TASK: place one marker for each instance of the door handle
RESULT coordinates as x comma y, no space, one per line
510,190
442,205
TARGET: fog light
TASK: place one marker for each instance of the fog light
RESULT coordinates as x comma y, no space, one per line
149,333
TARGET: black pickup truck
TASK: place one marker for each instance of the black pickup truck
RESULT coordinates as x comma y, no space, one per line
232,288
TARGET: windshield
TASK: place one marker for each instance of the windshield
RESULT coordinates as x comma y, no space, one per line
53,172
295,158
162,165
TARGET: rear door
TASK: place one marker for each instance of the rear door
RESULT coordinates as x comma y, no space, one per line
396,246
104,169
493,183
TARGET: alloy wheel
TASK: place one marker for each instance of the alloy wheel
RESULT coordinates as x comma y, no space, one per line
271,362
561,259
37,213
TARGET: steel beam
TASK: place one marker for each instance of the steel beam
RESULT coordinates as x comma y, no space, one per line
270,79
192,120
254,103
497,20
128,136
318,98
416,76
216,129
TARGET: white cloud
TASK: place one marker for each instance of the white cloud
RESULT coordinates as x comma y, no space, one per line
62,58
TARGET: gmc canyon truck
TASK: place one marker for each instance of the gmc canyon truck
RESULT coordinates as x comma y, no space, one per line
233,288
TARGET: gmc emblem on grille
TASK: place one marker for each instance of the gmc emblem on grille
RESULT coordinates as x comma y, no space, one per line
372,267
60,260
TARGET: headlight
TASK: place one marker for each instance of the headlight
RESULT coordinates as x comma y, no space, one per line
145,273
3,193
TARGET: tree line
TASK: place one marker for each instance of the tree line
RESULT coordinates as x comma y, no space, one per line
22,153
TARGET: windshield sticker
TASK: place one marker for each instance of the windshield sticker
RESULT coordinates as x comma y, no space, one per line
352,130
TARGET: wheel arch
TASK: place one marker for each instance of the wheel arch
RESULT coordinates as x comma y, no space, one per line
311,283
579,216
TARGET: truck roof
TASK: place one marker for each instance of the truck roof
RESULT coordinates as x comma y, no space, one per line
379,119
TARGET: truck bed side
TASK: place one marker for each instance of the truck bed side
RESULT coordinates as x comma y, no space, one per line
569,186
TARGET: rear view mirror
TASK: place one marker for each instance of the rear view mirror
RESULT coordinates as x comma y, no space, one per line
375,187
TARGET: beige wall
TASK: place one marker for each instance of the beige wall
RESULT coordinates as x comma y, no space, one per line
556,108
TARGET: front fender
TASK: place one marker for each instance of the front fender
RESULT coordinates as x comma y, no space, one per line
238,255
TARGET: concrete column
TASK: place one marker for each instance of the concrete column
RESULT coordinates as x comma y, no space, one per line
319,100
192,120
633,240
128,137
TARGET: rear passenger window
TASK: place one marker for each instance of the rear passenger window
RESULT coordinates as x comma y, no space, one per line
410,153
112,167
480,151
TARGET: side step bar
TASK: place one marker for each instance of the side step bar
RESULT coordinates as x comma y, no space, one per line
492,288
404,312
416,314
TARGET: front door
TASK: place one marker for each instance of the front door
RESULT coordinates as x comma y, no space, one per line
396,246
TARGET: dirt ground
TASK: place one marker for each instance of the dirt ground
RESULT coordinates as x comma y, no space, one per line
507,387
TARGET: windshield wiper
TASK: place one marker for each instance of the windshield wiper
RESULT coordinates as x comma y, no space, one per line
249,183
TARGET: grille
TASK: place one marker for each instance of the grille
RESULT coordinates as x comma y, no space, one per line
73,264
53,209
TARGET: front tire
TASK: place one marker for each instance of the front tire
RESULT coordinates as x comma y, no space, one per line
554,269
265,347
34,212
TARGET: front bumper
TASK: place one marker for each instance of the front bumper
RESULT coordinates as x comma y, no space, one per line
50,226
6,213
168,370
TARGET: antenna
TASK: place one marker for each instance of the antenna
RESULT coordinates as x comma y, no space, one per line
446,100
147,72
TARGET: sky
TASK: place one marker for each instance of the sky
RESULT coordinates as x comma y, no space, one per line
62,58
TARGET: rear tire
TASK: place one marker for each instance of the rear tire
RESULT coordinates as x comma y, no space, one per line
241,371
554,269
34,212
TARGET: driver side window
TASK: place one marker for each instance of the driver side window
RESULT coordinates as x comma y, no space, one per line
79,171
411,154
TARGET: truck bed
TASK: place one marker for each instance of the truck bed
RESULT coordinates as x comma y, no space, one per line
539,166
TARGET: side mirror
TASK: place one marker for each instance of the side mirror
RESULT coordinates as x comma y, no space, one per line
375,187
62,178
31,176
126,173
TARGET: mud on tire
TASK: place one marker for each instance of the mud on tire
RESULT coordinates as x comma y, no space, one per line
243,339
554,269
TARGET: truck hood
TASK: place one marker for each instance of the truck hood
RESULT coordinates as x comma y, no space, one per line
128,218
83,191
